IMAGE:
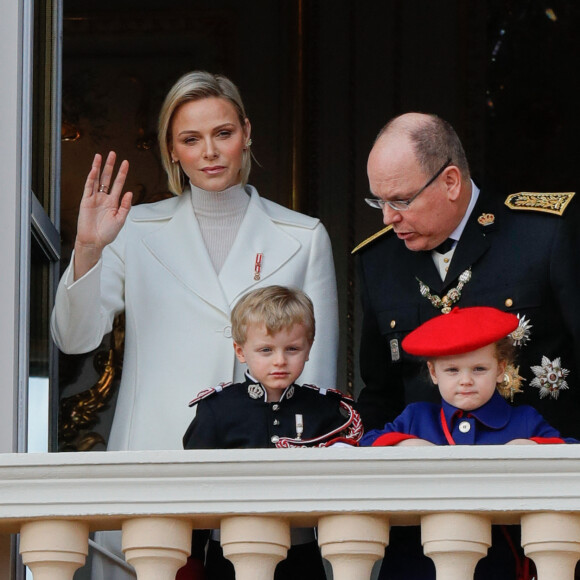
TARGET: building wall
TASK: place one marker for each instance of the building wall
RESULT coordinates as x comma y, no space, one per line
10,187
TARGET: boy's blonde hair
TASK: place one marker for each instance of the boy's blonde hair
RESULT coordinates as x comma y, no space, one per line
276,307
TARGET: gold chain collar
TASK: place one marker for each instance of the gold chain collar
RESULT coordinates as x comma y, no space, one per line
452,297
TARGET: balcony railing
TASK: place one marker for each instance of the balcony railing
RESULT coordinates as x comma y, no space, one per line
354,496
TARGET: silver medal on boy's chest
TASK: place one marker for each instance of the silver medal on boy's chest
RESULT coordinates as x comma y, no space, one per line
395,351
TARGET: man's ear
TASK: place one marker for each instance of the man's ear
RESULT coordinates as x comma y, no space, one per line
239,350
453,180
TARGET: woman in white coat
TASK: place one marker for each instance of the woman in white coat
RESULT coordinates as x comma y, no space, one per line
177,267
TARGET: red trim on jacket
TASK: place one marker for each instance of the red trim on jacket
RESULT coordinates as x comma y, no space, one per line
547,440
388,439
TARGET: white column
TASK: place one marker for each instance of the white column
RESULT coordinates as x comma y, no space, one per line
353,543
11,98
12,42
54,549
455,542
255,545
552,541
156,546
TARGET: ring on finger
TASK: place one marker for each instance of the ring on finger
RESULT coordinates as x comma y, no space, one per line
103,188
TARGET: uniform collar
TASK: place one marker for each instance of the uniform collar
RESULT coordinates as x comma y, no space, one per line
495,414
256,390
456,233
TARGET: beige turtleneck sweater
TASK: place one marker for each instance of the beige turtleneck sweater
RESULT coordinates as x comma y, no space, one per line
220,214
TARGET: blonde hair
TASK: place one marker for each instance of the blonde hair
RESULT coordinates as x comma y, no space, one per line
195,86
505,350
276,307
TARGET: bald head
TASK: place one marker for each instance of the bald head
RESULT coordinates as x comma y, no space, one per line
433,140
405,123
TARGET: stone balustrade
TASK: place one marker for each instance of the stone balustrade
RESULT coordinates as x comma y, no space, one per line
255,496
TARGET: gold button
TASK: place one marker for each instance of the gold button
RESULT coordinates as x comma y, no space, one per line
446,260
393,323
509,302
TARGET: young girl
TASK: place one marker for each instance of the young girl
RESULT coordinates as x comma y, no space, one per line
470,359
469,356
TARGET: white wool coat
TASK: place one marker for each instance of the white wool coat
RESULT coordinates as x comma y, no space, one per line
178,335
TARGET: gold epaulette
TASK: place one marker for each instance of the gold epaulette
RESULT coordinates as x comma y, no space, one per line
545,202
372,238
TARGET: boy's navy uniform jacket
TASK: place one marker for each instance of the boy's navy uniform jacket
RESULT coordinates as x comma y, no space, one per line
524,262
239,417
495,423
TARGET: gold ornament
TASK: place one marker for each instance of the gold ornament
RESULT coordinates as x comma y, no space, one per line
486,219
511,383
554,203
451,298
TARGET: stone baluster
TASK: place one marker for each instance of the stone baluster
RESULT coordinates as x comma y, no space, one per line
552,541
54,549
156,546
455,542
255,545
352,543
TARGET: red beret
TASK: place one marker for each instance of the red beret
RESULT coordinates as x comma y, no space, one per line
462,330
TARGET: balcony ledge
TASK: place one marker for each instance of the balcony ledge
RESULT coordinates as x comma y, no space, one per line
108,487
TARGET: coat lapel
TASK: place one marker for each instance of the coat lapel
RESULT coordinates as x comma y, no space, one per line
179,246
473,244
421,263
258,234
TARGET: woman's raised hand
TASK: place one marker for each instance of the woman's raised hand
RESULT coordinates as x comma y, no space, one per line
102,212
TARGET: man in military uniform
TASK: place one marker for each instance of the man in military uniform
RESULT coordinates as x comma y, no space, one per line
447,243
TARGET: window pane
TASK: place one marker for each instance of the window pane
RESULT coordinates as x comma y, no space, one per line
43,105
40,351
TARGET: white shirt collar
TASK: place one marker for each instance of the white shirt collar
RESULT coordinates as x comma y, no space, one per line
456,233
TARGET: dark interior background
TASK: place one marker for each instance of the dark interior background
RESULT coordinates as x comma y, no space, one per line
319,78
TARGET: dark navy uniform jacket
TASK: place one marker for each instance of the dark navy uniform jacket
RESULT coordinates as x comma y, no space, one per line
525,262
495,423
239,417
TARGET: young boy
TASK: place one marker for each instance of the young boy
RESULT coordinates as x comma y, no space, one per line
273,331
468,355
470,358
